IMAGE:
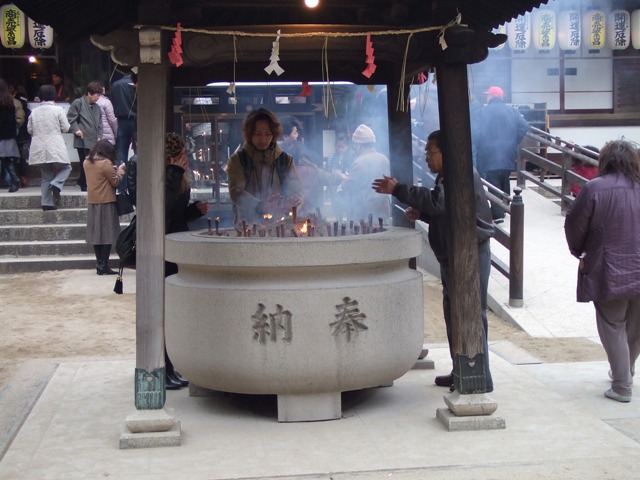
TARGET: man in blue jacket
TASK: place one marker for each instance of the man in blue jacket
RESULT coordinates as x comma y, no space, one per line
497,132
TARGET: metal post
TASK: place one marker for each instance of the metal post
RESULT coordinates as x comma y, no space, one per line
516,250
567,163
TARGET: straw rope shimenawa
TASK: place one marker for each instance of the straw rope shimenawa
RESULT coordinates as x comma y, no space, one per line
240,33
402,105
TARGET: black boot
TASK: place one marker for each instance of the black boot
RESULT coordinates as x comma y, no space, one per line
106,269
171,376
103,267
97,250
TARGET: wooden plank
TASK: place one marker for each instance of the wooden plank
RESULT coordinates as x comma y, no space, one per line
152,93
464,276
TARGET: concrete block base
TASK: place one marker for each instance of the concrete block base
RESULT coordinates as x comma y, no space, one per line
146,421
309,407
170,438
470,404
424,364
463,424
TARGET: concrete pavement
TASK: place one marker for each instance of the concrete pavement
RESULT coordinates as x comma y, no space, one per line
558,423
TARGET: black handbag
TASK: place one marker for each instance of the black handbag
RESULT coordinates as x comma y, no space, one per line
126,250
123,203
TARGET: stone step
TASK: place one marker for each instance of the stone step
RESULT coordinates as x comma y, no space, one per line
40,217
45,248
33,240
45,263
32,200
46,232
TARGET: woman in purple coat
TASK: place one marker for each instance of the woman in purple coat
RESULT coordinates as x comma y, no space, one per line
603,231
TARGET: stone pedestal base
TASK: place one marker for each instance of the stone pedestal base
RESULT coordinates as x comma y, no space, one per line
470,412
424,363
150,428
309,407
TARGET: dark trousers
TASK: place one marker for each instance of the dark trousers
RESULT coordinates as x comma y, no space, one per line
127,134
9,171
484,257
82,179
618,324
499,179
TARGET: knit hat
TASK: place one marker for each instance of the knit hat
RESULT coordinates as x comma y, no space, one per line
363,134
495,92
173,144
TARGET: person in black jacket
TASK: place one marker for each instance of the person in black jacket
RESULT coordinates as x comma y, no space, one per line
9,154
428,205
179,211
125,107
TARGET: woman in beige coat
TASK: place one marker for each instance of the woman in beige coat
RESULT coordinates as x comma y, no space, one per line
103,226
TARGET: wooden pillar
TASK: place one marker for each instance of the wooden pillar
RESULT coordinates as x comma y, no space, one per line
464,278
400,145
150,370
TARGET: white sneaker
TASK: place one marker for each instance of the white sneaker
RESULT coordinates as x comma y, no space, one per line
616,396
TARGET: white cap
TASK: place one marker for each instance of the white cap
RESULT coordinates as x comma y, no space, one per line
363,134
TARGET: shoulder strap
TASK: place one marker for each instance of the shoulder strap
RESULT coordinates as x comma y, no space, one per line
281,167
247,165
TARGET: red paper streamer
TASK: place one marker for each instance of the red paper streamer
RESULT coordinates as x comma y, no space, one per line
370,60
306,89
175,55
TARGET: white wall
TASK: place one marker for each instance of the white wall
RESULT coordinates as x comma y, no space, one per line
596,136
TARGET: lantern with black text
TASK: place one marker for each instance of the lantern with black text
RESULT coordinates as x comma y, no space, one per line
635,29
519,32
40,35
569,23
13,26
544,29
594,30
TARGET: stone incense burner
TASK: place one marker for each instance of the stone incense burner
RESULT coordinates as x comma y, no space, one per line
304,318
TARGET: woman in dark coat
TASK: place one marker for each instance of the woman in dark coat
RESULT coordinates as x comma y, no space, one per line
9,153
178,212
603,231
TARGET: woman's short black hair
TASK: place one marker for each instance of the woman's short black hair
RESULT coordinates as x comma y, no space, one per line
47,93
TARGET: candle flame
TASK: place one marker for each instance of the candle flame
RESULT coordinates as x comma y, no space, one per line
267,216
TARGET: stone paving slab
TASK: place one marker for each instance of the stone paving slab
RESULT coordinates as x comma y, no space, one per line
554,429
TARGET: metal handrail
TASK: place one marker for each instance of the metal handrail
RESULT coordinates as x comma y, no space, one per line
537,155
512,240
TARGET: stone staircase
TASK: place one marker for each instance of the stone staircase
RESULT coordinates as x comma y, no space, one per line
32,240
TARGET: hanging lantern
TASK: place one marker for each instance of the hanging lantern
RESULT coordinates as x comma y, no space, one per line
619,29
544,29
40,35
13,26
502,29
569,30
519,32
635,29
594,29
